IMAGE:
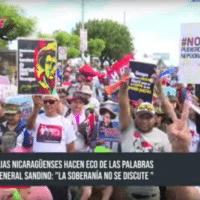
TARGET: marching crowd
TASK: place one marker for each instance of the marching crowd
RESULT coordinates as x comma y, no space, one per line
68,121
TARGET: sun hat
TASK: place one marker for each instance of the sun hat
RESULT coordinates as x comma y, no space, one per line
107,107
77,95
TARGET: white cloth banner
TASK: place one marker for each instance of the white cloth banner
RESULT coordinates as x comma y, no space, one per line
189,62
83,37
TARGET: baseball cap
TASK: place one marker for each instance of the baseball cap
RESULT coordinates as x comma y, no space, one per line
146,107
11,108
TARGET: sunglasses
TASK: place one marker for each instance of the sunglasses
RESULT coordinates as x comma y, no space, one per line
148,107
49,101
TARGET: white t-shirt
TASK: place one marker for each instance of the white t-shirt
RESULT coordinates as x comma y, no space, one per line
195,136
135,141
80,145
52,134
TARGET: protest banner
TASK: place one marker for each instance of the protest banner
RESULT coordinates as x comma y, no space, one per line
189,62
109,134
83,37
109,131
36,66
141,84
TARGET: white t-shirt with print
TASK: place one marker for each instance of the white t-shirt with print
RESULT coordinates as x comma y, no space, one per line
135,141
52,134
80,145
195,136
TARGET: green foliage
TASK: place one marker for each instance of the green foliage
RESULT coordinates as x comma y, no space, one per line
73,53
17,24
117,38
44,36
72,42
96,46
3,44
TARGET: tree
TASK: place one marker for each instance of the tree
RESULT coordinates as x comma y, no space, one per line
16,25
117,38
3,44
71,41
95,47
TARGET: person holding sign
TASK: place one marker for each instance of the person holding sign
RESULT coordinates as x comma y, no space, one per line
140,135
108,133
181,139
52,132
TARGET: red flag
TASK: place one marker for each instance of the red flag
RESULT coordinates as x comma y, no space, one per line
123,63
87,70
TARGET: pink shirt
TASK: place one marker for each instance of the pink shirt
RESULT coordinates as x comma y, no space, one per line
40,193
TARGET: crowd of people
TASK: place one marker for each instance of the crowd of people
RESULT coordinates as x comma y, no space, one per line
69,122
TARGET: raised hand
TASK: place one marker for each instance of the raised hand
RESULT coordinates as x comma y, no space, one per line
179,132
38,101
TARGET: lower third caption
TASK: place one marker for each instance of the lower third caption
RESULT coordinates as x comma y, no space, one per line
76,169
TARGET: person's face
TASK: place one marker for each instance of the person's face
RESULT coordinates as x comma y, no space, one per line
106,119
145,122
13,119
77,106
158,119
63,99
50,104
88,96
50,67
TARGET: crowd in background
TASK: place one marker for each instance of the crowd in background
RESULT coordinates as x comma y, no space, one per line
68,121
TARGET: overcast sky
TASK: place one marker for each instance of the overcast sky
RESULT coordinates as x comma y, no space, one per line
154,25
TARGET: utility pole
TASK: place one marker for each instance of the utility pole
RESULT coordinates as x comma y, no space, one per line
82,14
82,52
124,18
